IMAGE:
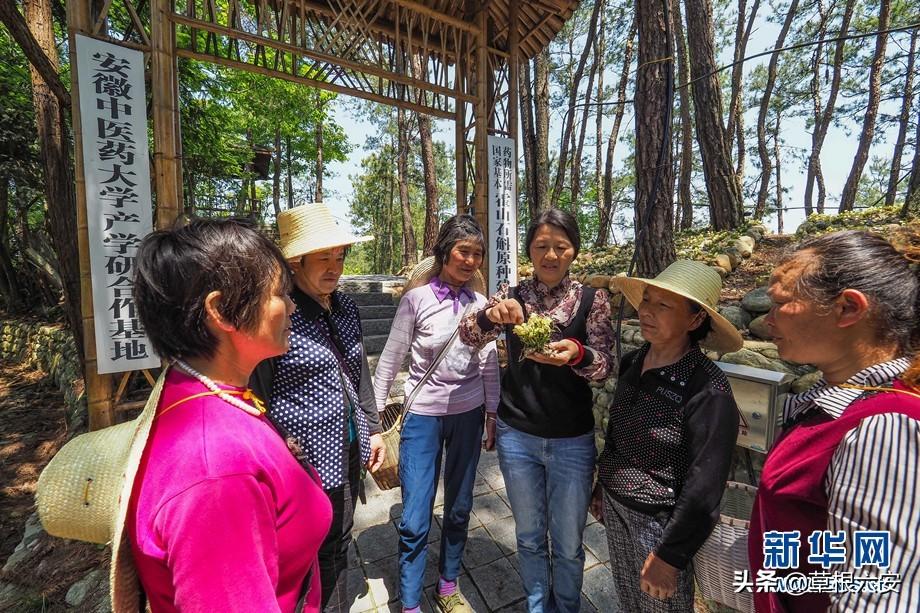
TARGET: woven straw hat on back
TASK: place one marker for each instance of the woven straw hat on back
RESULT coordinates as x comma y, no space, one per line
428,268
84,491
694,281
311,227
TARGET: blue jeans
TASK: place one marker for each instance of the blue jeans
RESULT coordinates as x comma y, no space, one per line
422,440
548,481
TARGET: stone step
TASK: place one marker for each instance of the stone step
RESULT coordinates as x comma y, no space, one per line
377,312
373,327
374,344
371,298
351,284
373,359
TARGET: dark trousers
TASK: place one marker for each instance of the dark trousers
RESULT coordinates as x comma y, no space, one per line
333,553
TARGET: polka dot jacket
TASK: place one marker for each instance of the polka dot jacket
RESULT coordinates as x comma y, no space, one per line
305,385
669,445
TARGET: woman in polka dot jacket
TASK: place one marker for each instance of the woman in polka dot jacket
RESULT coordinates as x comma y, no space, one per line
447,412
670,437
321,390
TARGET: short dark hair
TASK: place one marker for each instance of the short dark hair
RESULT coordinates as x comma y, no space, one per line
869,263
702,331
176,269
457,228
563,220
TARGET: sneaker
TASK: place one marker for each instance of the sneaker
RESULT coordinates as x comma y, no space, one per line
453,603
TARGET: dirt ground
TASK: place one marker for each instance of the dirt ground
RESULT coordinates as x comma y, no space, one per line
32,429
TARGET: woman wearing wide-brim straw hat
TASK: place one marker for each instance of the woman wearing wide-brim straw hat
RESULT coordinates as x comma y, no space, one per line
321,389
200,497
670,437
450,399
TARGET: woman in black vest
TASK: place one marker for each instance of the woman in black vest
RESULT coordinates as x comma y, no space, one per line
545,426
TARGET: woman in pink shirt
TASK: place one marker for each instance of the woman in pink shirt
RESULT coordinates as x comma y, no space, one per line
222,517
447,412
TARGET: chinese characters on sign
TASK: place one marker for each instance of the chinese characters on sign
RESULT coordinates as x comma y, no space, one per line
871,550
116,169
502,213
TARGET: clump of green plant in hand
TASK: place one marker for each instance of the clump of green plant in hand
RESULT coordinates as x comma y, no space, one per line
535,334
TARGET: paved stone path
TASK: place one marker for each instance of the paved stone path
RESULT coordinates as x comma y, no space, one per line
490,579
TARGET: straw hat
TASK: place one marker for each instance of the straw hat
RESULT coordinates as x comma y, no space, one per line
428,268
311,227
694,281
84,492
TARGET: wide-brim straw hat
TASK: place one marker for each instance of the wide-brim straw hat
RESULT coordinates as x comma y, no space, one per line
696,282
428,268
84,491
311,227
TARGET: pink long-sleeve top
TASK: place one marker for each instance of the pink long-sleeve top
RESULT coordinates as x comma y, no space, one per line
222,517
465,379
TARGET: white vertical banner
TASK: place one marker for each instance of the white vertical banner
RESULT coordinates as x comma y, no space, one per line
116,169
502,213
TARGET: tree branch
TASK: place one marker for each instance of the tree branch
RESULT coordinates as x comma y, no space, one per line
16,24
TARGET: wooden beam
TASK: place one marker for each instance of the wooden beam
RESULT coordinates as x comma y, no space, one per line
481,139
318,56
331,87
450,20
98,387
165,97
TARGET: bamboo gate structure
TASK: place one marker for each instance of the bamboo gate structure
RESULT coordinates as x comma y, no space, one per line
452,59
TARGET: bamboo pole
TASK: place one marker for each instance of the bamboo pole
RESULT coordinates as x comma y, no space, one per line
461,70
513,81
481,140
98,387
165,113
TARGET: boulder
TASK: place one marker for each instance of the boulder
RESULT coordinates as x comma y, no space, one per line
720,271
763,348
758,328
745,246
599,281
723,261
735,256
76,595
746,357
805,382
757,301
736,315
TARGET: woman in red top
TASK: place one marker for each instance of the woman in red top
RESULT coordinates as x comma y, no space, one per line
222,517
846,465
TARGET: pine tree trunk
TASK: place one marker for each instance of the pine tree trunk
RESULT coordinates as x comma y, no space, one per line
656,244
410,246
429,171
684,196
903,123
824,118
721,182
848,197
541,118
766,164
912,197
735,128
276,174
569,124
528,139
779,178
60,196
606,217
288,181
599,50
320,168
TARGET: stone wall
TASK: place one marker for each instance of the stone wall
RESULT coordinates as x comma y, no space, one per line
49,348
